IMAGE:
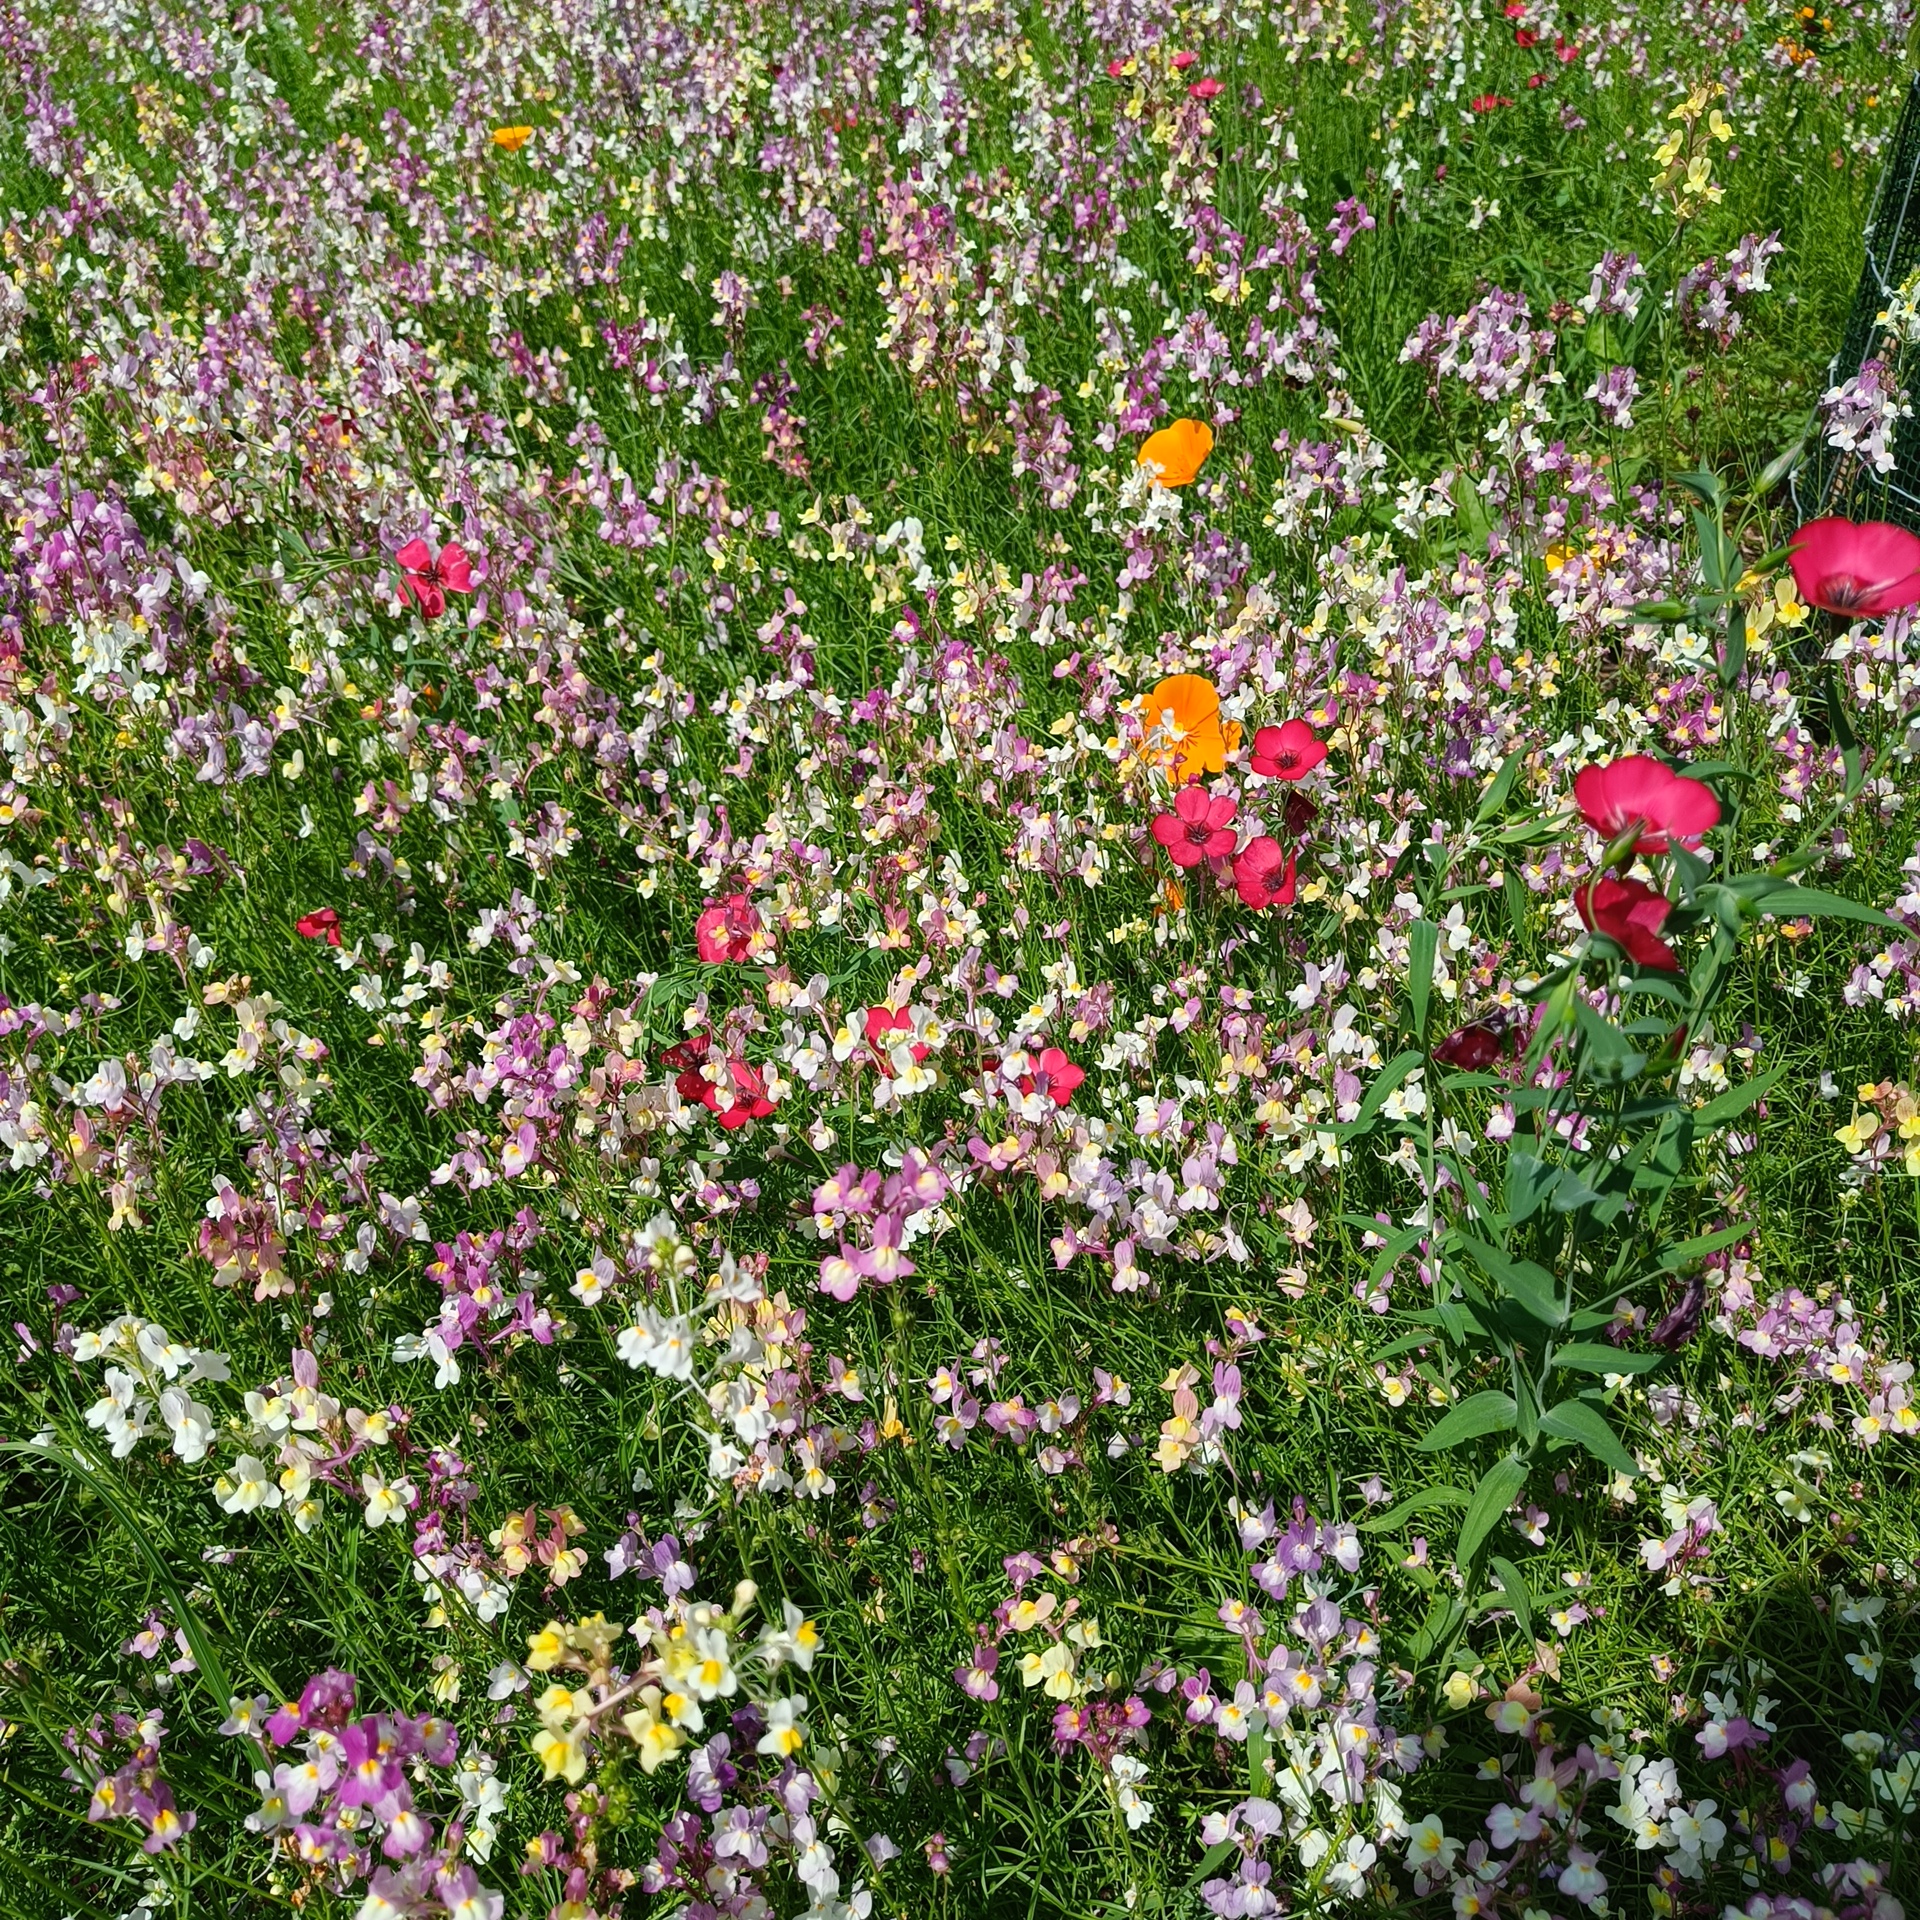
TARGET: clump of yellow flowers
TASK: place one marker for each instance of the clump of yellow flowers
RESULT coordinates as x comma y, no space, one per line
1683,155
691,1654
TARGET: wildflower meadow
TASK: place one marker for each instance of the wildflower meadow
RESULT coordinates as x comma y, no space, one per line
957,959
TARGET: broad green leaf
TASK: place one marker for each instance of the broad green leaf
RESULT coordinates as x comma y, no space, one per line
1404,1510
1499,1487
1592,1356
1489,1412
1532,1287
1530,1180
1513,1591
1580,1421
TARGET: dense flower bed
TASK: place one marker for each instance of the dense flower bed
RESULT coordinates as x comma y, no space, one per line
952,961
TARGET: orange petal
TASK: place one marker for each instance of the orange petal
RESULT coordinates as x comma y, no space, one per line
1178,451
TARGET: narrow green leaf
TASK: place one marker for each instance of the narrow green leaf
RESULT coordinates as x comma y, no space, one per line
1736,1100
1499,787
1404,1510
1513,1591
1733,656
1489,1412
1789,900
1443,1616
1389,1077
1582,1422
1531,1286
1701,1245
1423,942
1498,1488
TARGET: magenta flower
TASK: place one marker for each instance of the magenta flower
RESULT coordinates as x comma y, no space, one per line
1263,874
427,578
1670,809
1287,752
1859,569
725,930
1054,1075
1197,829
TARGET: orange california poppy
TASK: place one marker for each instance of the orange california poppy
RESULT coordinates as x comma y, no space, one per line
1186,734
512,139
1178,451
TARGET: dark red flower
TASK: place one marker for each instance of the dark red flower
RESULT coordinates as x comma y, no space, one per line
1288,752
733,1106
1473,1048
1197,829
1525,37
1670,809
324,925
1857,569
426,578
1630,914
1488,101
1263,874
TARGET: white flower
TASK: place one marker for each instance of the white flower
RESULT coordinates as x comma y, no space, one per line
1128,1772
386,1500
1428,1848
189,1422
247,1487
786,1734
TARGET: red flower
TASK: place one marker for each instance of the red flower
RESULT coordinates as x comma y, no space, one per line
1207,89
1859,570
1263,874
324,925
1289,752
1536,80
1488,101
880,1025
1631,915
1182,61
1116,69
1525,37
1671,809
425,581
727,930
1472,1048
1197,827
1053,1075
745,1100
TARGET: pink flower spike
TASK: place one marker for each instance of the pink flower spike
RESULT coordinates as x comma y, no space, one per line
1671,809
1857,569
1263,874
1197,829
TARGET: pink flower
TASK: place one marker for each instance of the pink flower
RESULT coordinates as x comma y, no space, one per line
1116,69
1631,915
726,930
1670,809
1263,874
1197,827
1053,1075
323,925
1860,570
1207,89
1288,752
1182,61
425,581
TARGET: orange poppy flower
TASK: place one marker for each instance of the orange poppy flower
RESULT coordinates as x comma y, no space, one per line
1186,733
511,139
1178,451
